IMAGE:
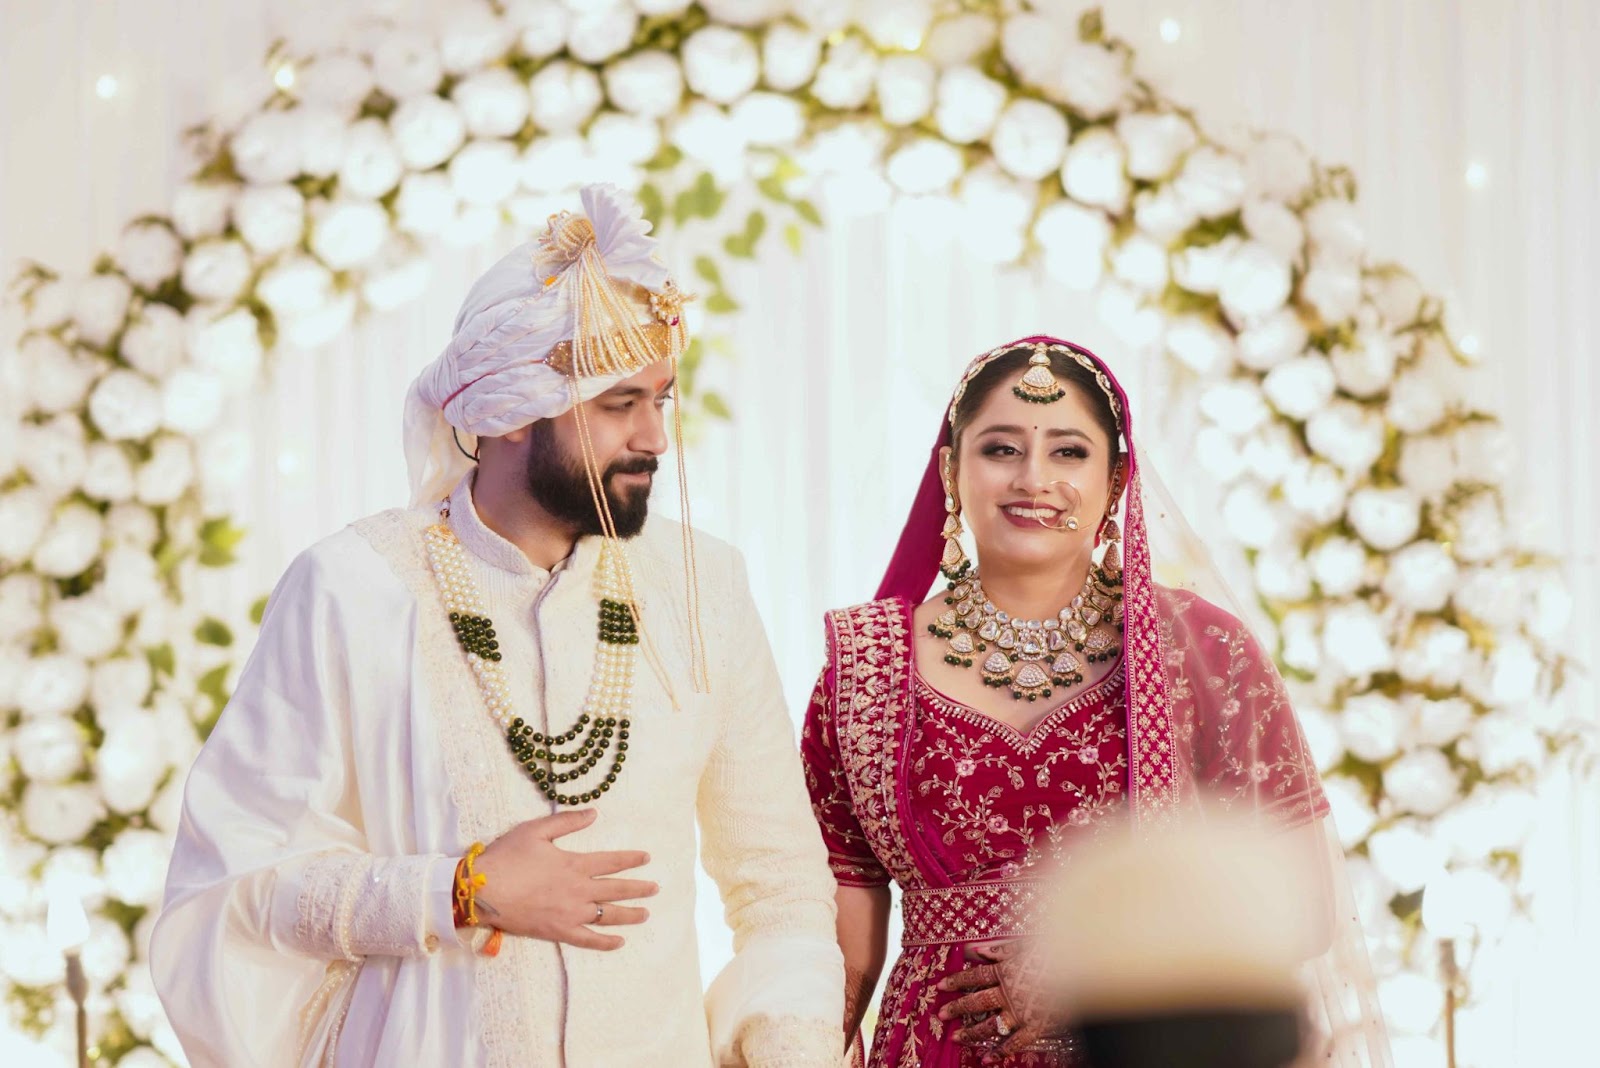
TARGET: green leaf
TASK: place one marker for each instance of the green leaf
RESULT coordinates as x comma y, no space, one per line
218,539
792,235
716,406
213,631
771,187
708,198
721,304
669,157
655,208
213,684
258,610
808,211
162,659
755,224
706,268
683,207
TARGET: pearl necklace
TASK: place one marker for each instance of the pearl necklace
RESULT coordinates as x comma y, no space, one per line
604,717
1032,654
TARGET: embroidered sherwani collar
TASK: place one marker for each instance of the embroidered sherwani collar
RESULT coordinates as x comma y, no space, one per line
498,553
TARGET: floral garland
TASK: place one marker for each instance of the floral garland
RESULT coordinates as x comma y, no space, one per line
1417,633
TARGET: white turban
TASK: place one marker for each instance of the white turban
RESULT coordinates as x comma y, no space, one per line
494,376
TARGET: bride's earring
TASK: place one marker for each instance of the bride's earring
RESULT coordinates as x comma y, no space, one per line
954,562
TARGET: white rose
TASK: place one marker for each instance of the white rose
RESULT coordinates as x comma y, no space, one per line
484,172
998,209
1549,610
1030,139
52,685
346,233
789,56
224,457
1093,171
270,218
1033,46
1440,722
191,400
1271,340
168,473
1074,240
130,762
426,203
1339,564
1272,452
1300,387
1278,168
1384,518
1199,268
71,543
1219,453
406,62
371,163
119,687
140,1008
1154,142
1421,577
1123,308
493,103
1370,725
88,626
1198,342
1333,289
322,136
296,285
105,954
336,80
1403,854
228,344
1514,669
1484,451
131,580
889,23
1301,640
969,104
846,77
1211,182
1351,811
1355,640
24,514
602,31
1435,653
398,278
58,378
648,83
48,304
629,139
957,39
1334,227
149,253
125,405
1253,282
1092,79
153,342
1490,819
217,270
166,811
1415,403
471,35
1367,369
557,164
542,25
564,96
720,64
1480,528
49,750
136,866
1503,742
765,119
1275,227
1282,575
131,524
318,327
427,130
1250,516
1422,781
905,89
1235,405
926,165
709,136
53,455
58,814
200,209
1142,263
1427,465
1397,294
1346,433
21,608
100,307
267,148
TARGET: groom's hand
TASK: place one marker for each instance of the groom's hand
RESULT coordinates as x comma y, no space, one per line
537,889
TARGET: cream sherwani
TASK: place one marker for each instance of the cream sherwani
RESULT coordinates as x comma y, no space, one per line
308,917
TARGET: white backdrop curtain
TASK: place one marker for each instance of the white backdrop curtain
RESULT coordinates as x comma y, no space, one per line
843,356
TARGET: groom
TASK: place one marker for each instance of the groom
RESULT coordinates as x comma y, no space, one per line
449,816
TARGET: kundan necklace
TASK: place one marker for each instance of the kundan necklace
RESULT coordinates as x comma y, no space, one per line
603,721
1031,655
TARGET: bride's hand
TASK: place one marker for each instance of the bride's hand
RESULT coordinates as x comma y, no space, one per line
1002,985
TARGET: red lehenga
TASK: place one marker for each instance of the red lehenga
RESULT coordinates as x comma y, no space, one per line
961,811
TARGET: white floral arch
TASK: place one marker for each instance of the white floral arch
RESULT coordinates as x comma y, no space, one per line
1366,492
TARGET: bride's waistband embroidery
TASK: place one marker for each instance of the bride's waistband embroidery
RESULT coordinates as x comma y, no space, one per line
970,912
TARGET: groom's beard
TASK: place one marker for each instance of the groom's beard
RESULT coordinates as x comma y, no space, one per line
558,482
